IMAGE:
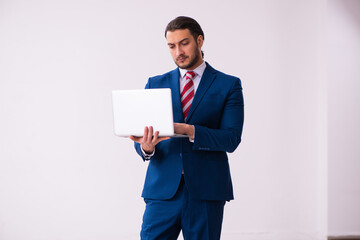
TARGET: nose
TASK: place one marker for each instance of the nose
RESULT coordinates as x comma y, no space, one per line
179,51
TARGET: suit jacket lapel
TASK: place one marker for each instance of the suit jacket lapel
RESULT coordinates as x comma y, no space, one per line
205,82
175,93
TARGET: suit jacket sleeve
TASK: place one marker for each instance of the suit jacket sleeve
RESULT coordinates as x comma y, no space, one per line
228,136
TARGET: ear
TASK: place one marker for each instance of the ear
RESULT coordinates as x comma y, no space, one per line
200,40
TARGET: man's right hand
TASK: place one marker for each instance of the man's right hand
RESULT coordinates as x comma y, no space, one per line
148,141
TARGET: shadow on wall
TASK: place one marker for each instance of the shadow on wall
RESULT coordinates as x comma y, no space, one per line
352,7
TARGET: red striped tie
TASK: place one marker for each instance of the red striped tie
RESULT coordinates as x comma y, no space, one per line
187,94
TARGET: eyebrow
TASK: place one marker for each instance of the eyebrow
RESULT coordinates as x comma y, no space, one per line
182,40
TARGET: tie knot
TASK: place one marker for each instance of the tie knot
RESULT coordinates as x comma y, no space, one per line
190,74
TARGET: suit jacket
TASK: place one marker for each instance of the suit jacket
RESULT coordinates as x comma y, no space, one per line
217,112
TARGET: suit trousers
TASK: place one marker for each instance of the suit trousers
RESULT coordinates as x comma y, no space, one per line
198,219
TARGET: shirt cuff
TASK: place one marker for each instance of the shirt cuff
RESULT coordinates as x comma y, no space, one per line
192,140
145,155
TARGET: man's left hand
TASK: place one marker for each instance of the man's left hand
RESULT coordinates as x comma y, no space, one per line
186,129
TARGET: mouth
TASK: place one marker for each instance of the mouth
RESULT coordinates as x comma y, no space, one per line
181,59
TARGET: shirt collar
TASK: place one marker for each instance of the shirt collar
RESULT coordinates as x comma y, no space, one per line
199,70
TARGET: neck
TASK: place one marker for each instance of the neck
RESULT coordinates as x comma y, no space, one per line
196,65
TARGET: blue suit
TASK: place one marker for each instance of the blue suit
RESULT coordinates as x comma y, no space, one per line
217,112
194,201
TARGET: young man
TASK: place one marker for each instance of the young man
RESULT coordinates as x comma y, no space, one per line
188,179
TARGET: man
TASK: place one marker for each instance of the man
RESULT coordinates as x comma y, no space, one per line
188,179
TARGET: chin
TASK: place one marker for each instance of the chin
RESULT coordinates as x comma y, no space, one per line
182,65
185,65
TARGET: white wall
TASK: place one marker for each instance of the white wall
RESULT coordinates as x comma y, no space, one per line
344,117
64,175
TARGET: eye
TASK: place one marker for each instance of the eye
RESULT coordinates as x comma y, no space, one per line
171,46
185,43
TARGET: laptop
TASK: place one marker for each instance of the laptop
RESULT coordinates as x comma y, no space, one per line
135,109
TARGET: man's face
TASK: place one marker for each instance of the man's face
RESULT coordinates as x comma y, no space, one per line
185,51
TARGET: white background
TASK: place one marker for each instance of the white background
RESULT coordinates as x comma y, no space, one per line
63,173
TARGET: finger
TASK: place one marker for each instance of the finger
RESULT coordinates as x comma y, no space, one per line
150,134
163,138
146,132
156,135
179,128
135,139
